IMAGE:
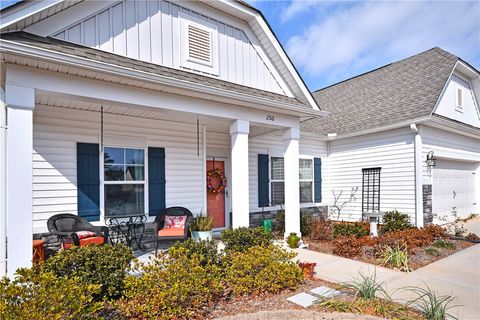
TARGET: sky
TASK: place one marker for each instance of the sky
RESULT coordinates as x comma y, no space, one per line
330,41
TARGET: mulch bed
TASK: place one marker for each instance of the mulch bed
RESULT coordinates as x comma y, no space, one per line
416,260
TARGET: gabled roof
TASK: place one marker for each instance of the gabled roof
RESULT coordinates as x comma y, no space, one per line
68,48
396,93
26,13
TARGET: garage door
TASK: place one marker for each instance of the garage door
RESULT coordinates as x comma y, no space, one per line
454,188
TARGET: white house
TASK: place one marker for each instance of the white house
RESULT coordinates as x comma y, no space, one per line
120,108
384,124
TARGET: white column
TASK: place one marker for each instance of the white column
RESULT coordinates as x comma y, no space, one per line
291,138
239,182
418,146
20,103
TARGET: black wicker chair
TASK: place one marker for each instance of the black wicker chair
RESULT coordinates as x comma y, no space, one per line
160,221
65,225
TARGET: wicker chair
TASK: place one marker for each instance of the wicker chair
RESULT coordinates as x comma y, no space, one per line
65,225
160,221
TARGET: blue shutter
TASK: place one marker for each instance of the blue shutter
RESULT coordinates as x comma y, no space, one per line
317,176
156,180
263,181
88,181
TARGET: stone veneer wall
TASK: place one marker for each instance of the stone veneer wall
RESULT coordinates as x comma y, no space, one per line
427,204
256,218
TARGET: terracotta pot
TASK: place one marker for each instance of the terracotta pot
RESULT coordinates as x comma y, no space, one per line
308,269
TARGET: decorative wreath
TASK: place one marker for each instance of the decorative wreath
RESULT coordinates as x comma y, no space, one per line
216,173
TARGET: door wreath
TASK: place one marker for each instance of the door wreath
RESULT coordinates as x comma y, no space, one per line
216,173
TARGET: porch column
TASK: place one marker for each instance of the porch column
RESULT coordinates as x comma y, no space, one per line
239,185
20,105
291,138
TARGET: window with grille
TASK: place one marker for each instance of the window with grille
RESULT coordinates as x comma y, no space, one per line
370,189
277,180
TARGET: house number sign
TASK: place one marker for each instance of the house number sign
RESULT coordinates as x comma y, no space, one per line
270,117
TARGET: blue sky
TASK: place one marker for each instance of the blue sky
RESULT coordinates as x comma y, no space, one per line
330,41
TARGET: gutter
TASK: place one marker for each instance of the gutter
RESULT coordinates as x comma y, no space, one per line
3,189
97,66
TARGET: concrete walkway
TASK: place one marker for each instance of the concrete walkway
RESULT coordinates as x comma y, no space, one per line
457,275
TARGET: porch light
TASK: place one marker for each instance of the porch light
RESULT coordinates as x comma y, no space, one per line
431,160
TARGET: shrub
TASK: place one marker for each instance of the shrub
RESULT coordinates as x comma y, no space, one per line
103,265
262,269
321,229
394,221
435,231
42,295
366,286
206,251
431,305
241,239
173,287
472,237
412,238
444,244
306,220
432,252
349,247
396,257
358,229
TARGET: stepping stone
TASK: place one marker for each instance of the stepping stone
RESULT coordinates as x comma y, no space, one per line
325,292
303,299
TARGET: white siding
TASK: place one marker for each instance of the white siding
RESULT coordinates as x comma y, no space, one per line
447,106
150,31
393,151
56,132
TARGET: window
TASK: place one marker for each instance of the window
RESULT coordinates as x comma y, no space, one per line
371,189
199,45
124,181
277,179
306,180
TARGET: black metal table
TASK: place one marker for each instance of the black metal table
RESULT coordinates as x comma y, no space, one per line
127,229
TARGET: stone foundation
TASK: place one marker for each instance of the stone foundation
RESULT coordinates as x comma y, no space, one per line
256,218
427,204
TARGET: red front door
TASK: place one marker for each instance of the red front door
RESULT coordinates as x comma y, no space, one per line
216,201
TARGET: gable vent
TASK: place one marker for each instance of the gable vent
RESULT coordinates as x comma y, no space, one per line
199,44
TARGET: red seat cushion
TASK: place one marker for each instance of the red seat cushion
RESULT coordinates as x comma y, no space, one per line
171,232
91,240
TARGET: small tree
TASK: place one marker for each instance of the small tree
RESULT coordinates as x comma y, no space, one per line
338,204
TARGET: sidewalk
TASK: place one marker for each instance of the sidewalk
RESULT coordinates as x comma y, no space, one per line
457,275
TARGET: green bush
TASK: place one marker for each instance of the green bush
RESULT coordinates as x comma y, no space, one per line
345,229
206,251
42,295
103,265
444,245
173,287
262,269
395,221
241,239
306,222
432,252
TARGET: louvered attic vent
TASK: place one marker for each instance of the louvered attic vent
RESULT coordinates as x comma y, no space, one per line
199,44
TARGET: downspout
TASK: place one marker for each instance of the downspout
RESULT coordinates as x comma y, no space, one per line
3,205
418,146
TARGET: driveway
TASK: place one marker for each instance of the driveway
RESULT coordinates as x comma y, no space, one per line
457,275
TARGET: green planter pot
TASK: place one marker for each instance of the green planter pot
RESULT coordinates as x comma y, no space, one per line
292,240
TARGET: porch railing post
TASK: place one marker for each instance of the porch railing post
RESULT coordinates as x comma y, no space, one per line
239,131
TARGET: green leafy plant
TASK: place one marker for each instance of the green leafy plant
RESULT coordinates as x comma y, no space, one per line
394,221
241,239
202,223
432,305
306,221
105,266
358,229
177,286
42,295
262,269
366,286
444,245
396,257
432,252
205,251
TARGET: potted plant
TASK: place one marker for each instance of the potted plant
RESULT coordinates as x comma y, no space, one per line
201,228
293,240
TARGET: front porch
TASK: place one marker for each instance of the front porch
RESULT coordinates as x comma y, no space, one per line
53,124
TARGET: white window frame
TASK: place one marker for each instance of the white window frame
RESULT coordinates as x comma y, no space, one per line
194,64
275,180
103,182
302,204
